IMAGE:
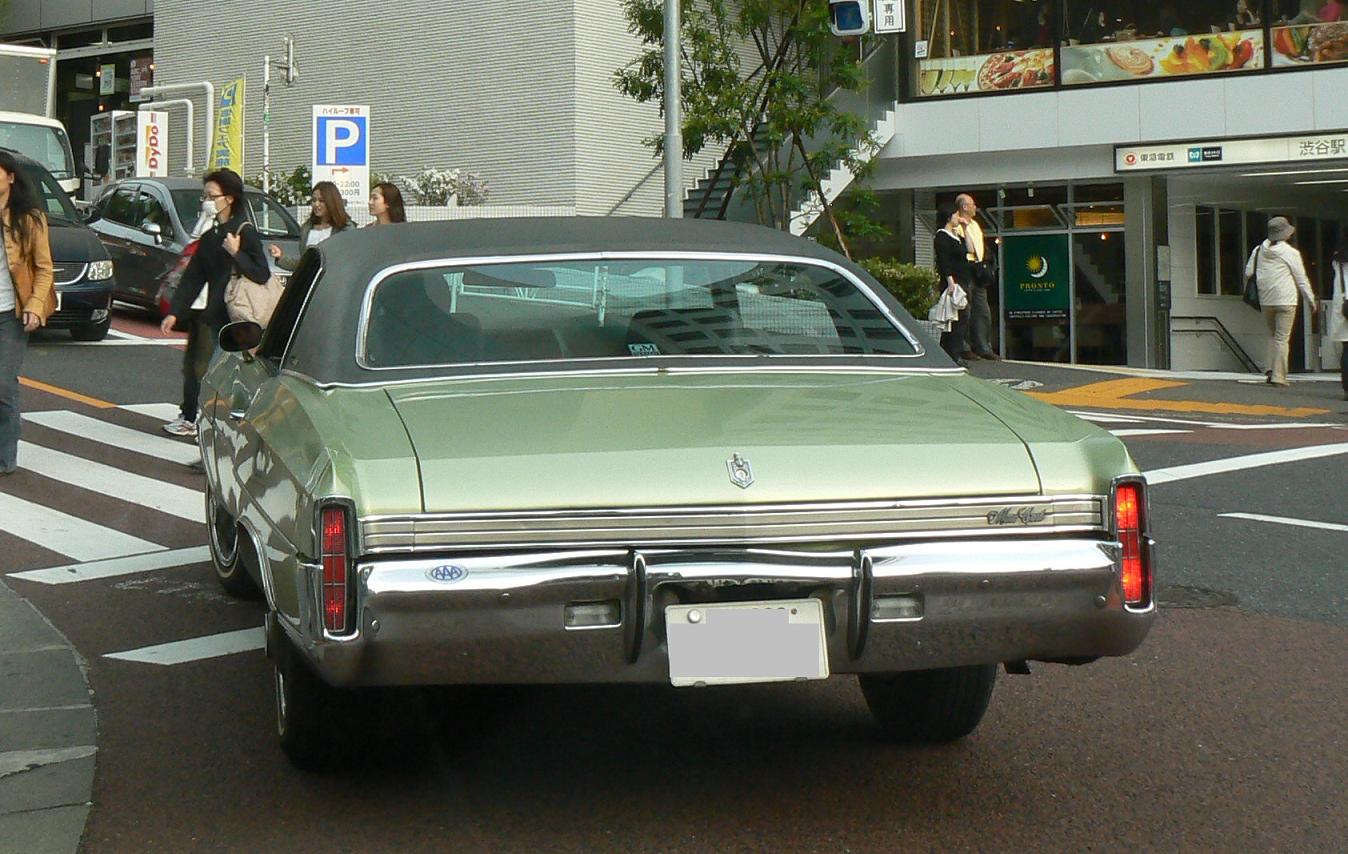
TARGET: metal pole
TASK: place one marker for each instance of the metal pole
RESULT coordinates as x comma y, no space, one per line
673,117
266,124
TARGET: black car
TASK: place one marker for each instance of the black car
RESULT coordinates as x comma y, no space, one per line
83,267
147,223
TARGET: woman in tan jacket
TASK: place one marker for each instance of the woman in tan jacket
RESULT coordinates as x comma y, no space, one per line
27,294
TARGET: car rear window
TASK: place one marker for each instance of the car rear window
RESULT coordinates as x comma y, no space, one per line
621,310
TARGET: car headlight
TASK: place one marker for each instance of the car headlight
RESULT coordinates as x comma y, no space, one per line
100,270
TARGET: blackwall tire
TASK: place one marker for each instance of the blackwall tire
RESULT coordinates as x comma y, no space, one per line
930,705
225,541
92,331
320,727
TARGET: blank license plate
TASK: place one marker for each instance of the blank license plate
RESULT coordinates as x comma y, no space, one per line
731,643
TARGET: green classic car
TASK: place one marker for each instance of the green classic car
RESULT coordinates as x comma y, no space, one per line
636,450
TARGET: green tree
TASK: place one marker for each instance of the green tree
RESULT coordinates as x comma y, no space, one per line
775,119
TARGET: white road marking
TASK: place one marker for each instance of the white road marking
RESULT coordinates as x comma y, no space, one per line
65,534
137,441
146,491
1106,418
117,333
162,411
1249,461
1283,520
1122,433
113,567
196,649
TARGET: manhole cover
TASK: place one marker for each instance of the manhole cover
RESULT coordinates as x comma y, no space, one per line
1182,596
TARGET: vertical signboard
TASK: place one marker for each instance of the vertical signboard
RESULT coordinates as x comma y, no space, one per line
107,79
227,145
890,16
142,75
1038,277
151,144
341,149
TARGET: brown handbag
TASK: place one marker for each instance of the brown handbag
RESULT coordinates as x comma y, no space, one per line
247,300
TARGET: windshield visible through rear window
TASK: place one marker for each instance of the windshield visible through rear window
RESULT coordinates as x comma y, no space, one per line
622,309
46,145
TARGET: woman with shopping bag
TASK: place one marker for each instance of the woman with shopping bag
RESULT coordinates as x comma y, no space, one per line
230,247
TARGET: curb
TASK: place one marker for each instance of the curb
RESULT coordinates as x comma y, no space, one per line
48,733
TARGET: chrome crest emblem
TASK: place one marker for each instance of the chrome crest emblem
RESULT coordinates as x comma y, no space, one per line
1017,516
741,473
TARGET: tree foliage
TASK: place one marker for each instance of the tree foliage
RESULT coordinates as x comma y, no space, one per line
756,79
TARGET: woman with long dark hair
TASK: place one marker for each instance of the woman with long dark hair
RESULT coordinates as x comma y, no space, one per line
386,204
327,216
1338,323
27,293
956,275
232,243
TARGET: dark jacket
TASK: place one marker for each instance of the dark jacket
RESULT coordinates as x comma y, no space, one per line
211,266
952,259
290,262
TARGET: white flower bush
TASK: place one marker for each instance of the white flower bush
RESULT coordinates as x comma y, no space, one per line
439,186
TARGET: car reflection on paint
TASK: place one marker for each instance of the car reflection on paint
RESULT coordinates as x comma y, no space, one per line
621,450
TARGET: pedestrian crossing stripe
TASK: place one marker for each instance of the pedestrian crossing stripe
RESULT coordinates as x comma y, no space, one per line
161,411
111,481
65,534
115,435
196,649
115,567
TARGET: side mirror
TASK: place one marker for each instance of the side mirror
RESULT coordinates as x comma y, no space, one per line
153,229
240,336
92,215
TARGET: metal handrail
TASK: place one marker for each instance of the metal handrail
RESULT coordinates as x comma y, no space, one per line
1224,335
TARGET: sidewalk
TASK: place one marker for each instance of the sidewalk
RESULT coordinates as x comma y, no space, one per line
1236,395
47,734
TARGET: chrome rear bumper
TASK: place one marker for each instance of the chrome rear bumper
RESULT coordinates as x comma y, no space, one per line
483,618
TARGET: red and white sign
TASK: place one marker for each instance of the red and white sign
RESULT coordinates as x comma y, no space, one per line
151,144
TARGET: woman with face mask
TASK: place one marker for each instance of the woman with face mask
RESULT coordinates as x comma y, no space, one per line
27,293
232,243
327,216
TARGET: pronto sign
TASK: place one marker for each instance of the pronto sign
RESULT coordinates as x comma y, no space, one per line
1231,152
151,144
1037,277
341,149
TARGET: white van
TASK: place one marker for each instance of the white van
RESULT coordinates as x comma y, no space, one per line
45,141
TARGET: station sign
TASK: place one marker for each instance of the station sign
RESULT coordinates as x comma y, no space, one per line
1269,151
151,144
341,150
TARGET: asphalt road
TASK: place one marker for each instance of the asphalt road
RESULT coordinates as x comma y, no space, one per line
1227,730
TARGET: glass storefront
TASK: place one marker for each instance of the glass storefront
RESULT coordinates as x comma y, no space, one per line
989,46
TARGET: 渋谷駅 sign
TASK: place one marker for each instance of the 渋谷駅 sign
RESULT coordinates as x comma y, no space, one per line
1270,151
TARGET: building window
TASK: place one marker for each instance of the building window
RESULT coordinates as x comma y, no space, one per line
1224,240
1205,239
984,46
1309,31
1232,257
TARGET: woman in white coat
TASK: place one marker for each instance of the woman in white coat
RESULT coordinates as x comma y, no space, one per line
1280,274
1338,324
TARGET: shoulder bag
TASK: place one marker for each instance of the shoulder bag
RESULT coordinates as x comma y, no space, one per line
1251,295
245,299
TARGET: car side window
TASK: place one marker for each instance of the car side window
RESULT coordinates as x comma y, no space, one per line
287,318
122,207
151,210
271,219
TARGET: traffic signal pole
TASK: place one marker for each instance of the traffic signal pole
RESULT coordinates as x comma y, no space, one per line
673,114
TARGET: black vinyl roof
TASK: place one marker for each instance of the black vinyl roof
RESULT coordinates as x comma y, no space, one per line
324,345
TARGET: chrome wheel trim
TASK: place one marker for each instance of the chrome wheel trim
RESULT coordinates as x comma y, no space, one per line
223,557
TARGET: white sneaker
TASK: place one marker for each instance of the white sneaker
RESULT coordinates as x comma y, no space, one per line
181,427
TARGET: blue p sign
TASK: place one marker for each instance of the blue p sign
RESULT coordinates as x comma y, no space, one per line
342,141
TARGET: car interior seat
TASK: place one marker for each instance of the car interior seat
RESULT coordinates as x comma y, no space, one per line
410,327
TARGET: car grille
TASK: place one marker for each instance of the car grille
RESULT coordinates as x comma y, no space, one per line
68,273
785,523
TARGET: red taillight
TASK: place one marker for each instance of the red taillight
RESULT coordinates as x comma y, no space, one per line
336,561
1130,526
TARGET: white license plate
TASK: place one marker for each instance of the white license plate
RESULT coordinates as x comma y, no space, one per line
737,642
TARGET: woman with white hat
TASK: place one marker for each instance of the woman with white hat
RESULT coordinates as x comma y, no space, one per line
1279,273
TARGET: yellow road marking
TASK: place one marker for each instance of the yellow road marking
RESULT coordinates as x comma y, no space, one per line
67,394
1115,394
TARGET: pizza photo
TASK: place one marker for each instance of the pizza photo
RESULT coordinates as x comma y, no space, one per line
1016,70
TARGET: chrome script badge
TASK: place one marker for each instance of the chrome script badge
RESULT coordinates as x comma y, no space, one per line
1018,516
741,473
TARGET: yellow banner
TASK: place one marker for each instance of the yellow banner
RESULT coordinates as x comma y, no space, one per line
227,144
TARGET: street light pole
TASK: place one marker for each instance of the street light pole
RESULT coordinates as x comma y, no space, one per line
673,117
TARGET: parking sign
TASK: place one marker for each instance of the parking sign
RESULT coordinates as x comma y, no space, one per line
341,149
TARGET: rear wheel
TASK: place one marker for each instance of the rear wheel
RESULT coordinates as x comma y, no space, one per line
92,331
930,705
222,533
319,726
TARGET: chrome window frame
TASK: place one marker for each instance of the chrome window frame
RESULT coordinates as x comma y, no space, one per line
367,303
